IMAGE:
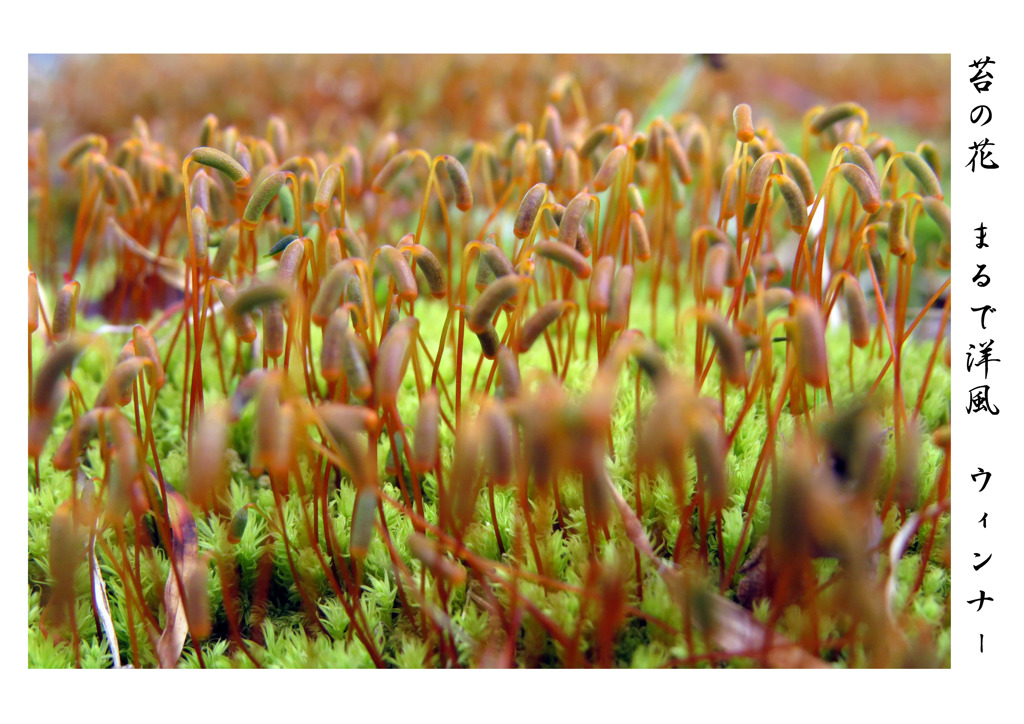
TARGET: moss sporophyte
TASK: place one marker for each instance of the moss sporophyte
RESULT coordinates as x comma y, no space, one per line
589,393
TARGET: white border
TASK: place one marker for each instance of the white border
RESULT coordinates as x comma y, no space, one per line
972,688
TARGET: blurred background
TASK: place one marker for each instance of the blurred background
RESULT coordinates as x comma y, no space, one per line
429,98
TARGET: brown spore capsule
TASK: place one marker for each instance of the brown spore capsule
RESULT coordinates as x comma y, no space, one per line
835,114
540,320
528,209
796,204
400,271
621,296
571,218
261,198
606,174
930,185
809,339
638,237
862,184
425,441
898,243
460,183
273,330
599,296
65,311
566,256
545,158
743,122
497,293
509,380
570,172
857,312
224,163
392,359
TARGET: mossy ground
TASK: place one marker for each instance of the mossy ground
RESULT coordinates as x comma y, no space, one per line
287,640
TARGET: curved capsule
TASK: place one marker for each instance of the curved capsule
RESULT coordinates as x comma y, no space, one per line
363,514
497,293
898,244
80,147
835,114
862,184
390,171
539,321
261,294
743,122
425,441
677,157
757,179
636,200
261,198
489,341
857,311
353,361
65,311
221,161
571,218
553,134
200,234
228,245
460,182
601,284
568,257
292,264
924,174
499,441
798,171
809,339
857,155
583,242
622,294
392,359
927,151
354,245
570,172
245,329
326,189
331,351
509,380
721,268
208,470
200,188
400,271
492,264
117,391
519,161
638,238
774,298
273,330
331,290
432,270
545,161
796,204
595,139
606,174
77,439
730,348
464,479
939,213
277,135
352,162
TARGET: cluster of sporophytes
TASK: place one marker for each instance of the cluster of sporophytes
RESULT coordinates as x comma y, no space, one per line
590,394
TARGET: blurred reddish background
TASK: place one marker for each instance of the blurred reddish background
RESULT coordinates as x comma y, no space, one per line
457,95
